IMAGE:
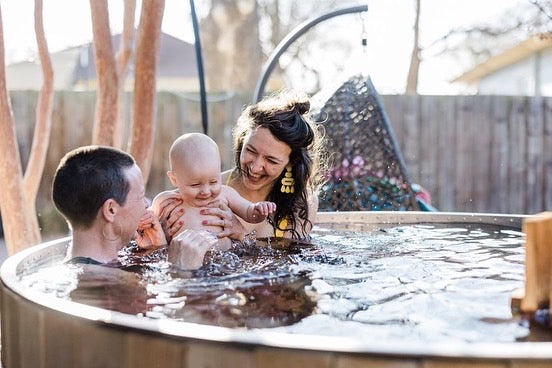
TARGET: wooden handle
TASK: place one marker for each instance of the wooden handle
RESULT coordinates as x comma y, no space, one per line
538,262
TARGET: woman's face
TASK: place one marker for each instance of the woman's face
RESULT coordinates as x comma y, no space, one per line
262,159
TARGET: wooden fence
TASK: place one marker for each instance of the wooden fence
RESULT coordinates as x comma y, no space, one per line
473,153
477,153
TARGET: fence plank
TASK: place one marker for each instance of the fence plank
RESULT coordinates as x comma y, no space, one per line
428,143
481,130
535,179
411,136
394,107
498,172
463,165
547,154
445,201
517,152
23,103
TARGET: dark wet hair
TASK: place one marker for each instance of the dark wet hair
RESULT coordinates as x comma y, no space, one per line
286,115
85,178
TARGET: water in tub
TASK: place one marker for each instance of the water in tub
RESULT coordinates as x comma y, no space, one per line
433,282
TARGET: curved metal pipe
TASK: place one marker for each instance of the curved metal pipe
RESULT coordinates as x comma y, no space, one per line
200,73
290,38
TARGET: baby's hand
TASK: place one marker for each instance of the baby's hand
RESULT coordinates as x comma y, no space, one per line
263,209
188,249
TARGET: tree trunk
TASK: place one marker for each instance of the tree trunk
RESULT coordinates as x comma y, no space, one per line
124,56
106,75
20,226
147,48
412,79
43,125
230,42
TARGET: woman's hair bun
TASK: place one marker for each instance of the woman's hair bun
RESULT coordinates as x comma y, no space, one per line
302,106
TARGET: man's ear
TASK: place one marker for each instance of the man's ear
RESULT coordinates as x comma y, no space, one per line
172,178
109,209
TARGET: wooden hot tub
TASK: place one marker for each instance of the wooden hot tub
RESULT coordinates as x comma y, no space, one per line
43,331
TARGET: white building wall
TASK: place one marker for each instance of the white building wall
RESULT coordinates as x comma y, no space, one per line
546,73
520,78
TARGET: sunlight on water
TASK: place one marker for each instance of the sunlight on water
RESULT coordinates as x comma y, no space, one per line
438,282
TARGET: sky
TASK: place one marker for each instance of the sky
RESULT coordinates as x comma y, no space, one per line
388,24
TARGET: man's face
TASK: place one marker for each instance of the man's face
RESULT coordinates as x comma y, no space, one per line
135,205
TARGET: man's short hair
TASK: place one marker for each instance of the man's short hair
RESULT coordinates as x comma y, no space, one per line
85,178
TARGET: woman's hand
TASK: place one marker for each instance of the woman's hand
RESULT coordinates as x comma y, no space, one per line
149,234
231,226
171,212
188,249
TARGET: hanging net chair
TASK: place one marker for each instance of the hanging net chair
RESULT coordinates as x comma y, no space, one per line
368,172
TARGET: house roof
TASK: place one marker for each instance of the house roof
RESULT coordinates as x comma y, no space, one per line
28,74
76,64
519,52
176,59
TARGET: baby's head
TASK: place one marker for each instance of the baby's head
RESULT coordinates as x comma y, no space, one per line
195,167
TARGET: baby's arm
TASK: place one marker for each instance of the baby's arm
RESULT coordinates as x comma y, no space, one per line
250,212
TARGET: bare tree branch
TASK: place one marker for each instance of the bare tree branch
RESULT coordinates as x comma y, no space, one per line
41,137
542,9
485,39
124,56
106,75
147,48
413,70
20,226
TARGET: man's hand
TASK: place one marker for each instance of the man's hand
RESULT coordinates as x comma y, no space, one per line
149,234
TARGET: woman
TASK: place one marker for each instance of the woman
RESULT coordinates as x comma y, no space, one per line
279,158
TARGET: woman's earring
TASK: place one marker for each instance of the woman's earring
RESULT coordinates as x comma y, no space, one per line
287,181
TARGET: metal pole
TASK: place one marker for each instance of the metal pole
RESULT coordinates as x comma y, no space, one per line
201,75
290,38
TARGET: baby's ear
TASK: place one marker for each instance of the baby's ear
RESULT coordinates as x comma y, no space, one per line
172,178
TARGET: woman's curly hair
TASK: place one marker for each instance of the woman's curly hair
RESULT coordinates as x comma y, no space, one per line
286,115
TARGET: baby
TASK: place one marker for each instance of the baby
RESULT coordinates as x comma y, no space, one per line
195,172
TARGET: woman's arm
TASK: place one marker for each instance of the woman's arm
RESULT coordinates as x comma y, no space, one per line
232,227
